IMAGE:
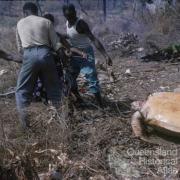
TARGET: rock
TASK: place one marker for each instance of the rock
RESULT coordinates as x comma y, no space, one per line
140,49
128,71
3,71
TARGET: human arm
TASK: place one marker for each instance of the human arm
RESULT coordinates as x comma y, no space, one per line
64,41
69,49
53,38
79,52
69,52
18,42
82,27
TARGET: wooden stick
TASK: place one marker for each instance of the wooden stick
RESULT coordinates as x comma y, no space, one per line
8,57
7,94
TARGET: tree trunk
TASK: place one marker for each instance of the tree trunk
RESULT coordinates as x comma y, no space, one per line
105,9
114,3
81,6
66,2
98,4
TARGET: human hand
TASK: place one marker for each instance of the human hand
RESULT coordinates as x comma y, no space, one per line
68,53
84,55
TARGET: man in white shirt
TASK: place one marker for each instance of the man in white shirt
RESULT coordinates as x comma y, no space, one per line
36,38
81,37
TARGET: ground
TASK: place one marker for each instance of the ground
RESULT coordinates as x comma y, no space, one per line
90,142
97,141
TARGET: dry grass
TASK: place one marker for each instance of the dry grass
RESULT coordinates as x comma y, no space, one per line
79,148
79,141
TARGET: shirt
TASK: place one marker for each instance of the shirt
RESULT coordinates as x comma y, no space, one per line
36,31
76,39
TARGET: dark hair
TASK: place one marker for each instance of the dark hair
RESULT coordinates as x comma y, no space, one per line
31,7
69,7
49,17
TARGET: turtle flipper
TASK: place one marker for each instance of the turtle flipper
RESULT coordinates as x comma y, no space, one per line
138,125
139,128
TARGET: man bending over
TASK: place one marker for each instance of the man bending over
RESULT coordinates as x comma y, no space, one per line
35,38
80,36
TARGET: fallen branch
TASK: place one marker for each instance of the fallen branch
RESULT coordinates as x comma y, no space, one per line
7,57
7,94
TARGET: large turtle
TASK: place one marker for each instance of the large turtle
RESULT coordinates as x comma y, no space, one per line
161,112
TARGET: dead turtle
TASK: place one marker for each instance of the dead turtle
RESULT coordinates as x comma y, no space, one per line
160,112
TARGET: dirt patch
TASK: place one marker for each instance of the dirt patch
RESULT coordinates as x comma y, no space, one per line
96,141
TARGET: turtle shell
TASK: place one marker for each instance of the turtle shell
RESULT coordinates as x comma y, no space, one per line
162,111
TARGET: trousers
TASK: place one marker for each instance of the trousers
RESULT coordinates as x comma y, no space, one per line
37,62
86,67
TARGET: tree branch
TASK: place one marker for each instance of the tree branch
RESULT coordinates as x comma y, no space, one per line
82,9
7,57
